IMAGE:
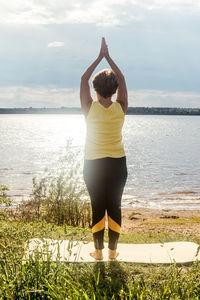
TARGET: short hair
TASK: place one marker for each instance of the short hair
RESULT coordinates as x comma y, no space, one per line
105,83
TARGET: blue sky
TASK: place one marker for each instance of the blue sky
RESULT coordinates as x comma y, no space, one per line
47,45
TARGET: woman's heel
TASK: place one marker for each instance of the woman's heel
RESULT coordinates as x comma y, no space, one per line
97,254
112,254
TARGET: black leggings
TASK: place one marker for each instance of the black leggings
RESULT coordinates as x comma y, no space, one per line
105,179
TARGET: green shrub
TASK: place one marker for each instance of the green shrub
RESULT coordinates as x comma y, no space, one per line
3,195
60,196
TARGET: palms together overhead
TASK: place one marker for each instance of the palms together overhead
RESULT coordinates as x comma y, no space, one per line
85,95
104,49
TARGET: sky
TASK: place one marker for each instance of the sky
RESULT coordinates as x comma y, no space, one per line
47,45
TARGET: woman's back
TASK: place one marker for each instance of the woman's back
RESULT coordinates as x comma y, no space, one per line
104,131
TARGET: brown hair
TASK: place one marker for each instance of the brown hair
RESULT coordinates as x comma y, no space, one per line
105,83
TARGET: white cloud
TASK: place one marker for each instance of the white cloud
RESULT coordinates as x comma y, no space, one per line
55,44
171,5
99,12
59,12
51,96
159,98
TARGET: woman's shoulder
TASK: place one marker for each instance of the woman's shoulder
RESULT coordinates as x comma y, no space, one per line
89,108
119,107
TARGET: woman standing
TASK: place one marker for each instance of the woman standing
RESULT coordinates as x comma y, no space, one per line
105,170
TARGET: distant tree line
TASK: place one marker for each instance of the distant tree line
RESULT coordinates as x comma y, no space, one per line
130,111
162,111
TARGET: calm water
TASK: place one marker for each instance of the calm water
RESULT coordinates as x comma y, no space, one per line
162,155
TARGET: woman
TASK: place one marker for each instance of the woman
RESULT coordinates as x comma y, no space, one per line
105,170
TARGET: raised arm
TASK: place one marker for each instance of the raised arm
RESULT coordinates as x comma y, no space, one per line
85,95
122,95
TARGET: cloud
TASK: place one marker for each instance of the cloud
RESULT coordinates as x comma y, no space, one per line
55,44
99,12
60,12
173,5
52,96
159,98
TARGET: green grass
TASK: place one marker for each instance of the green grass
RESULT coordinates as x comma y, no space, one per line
111,280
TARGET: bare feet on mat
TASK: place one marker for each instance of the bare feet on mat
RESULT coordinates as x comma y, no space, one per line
97,254
112,254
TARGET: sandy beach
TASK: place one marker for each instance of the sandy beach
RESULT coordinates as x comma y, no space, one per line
185,222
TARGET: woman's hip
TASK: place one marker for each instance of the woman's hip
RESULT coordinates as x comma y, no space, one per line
105,167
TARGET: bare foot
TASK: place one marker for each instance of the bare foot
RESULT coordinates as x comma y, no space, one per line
97,254
112,254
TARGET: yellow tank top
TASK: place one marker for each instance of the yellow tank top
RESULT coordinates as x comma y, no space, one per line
104,131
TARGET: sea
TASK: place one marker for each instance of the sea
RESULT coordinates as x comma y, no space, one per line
162,151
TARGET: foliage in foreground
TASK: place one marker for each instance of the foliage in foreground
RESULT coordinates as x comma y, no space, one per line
37,279
3,195
60,196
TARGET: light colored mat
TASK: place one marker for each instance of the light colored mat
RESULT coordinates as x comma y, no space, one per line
78,251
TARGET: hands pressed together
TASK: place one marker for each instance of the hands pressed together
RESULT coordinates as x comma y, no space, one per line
85,89
104,49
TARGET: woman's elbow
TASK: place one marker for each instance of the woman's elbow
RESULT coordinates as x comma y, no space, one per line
120,78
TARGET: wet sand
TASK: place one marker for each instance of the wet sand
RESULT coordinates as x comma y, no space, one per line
143,220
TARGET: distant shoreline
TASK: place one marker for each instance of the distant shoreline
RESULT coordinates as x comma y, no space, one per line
130,111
